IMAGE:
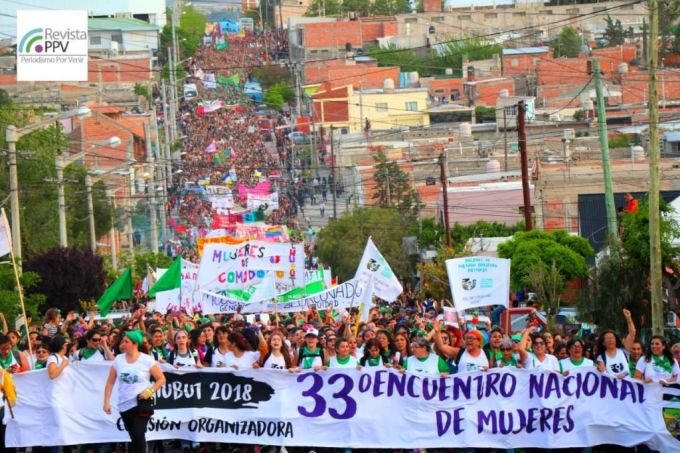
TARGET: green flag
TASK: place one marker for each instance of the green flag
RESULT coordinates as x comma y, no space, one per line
121,289
222,46
299,293
172,278
232,80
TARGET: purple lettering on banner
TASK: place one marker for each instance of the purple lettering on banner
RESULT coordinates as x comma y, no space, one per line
343,394
313,392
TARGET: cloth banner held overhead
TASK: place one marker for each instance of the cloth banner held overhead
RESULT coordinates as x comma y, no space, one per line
335,298
261,189
478,281
270,201
336,409
375,268
235,266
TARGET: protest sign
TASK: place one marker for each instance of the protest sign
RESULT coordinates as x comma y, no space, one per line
478,281
337,409
262,188
181,298
235,266
341,296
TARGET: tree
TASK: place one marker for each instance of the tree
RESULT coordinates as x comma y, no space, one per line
10,305
360,7
393,187
429,232
36,168
323,8
189,33
614,34
406,59
669,12
341,243
5,99
180,72
433,276
544,261
269,75
460,234
457,50
568,43
68,276
144,261
273,100
142,90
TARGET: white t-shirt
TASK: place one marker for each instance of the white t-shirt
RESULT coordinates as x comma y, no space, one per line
133,378
184,360
352,362
245,362
274,362
219,359
615,365
469,364
568,365
657,373
549,363
96,357
54,358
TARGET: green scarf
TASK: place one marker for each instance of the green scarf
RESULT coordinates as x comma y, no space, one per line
40,365
88,352
373,361
511,362
5,363
663,363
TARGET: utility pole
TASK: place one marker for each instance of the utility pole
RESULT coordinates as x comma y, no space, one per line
90,213
445,196
654,174
505,137
335,184
61,201
112,231
298,90
172,99
604,147
522,136
11,137
166,125
163,177
151,189
131,240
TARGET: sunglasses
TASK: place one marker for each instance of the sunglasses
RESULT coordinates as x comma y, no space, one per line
41,351
506,349
539,343
95,339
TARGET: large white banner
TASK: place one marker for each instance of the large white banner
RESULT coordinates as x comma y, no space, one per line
340,409
236,266
479,281
342,296
269,202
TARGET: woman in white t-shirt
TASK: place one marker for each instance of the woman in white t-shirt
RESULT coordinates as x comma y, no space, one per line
612,358
575,347
538,358
242,356
342,357
277,357
183,356
133,370
658,364
57,361
219,356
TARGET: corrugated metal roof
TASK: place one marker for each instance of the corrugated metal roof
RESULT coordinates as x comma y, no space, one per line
526,51
119,23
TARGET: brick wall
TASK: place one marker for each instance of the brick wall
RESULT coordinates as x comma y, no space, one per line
523,64
634,86
119,70
335,35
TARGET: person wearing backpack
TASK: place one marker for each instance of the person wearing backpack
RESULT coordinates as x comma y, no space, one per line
182,355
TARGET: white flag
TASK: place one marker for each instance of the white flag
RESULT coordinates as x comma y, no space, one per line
367,303
5,236
374,268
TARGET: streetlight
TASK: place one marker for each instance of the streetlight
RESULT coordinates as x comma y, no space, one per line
12,135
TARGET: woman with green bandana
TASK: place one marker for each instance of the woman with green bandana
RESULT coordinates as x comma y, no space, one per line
658,364
576,359
133,370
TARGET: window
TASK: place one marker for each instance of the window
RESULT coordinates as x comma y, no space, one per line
381,107
95,40
117,37
455,94
514,62
510,110
411,106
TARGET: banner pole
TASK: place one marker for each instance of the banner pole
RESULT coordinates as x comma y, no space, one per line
19,288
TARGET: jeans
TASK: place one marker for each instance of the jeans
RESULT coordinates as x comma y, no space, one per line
136,428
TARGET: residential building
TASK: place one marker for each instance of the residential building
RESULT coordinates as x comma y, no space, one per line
360,72
122,36
386,108
313,38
